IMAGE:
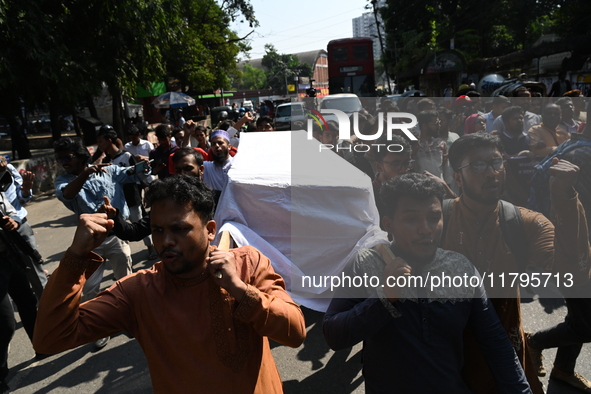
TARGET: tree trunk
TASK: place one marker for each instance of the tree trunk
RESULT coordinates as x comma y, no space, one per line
91,107
54,113
76,124
20,144
117,116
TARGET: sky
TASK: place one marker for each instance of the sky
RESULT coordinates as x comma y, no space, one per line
300,25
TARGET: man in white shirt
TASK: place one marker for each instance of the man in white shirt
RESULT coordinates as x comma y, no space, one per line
523,100
499,104
181,120
567,109
139,148
216,171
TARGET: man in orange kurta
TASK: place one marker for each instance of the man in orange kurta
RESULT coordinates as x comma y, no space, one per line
473,229
545,137
202,316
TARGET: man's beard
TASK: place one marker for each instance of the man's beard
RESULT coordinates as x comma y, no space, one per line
221,158
433,133
474,196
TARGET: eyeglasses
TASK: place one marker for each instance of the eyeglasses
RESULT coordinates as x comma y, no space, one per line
480,166
398,165
65,159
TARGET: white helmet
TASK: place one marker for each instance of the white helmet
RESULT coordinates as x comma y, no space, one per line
490,83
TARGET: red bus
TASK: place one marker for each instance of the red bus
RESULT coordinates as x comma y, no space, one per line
351,67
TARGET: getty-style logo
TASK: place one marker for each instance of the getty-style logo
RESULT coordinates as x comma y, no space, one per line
402,121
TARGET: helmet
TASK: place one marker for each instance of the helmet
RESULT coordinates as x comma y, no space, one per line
107,132
490,83
223,115
462,100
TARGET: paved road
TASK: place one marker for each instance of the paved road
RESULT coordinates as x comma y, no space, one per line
121,368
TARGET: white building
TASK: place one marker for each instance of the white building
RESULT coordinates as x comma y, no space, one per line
365,26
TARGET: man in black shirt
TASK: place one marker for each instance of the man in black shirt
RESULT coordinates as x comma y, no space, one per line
515,140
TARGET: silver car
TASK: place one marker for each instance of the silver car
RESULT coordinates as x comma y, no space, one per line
286,114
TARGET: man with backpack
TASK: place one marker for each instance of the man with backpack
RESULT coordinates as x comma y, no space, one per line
569,335
412,333
476,227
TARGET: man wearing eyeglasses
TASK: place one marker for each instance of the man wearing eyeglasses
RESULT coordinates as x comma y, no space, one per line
474,230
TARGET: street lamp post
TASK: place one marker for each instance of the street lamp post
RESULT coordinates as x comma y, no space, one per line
285,79
375,14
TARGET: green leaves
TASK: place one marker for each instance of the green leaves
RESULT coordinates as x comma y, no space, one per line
79,44
480,28
282,68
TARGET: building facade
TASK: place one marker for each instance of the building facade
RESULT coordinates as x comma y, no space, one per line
365,26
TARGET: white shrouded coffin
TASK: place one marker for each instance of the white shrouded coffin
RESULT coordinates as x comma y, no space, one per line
305,208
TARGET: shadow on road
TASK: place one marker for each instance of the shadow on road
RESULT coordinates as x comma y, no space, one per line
44,196
551,304
117,368
66,221
556,387
338,376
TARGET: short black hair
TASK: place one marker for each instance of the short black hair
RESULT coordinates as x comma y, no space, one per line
74,146
519,90
187,151
418,186
387,104
445,113
183,189
501,100
108,134
425,116
460,148
267,119
225,125
563,101
133,130
551,105
510,111
425,103
162,131
383,142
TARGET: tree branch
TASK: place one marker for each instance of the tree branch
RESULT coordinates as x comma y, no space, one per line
239,39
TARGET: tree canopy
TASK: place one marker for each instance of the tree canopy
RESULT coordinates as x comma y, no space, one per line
480,29
251,79
60,51
282,68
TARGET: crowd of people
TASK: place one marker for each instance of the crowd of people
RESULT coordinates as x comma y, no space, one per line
455,200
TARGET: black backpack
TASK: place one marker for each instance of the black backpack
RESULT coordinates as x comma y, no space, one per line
511,228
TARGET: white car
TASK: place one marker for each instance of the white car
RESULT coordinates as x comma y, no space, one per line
287,113
346,102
